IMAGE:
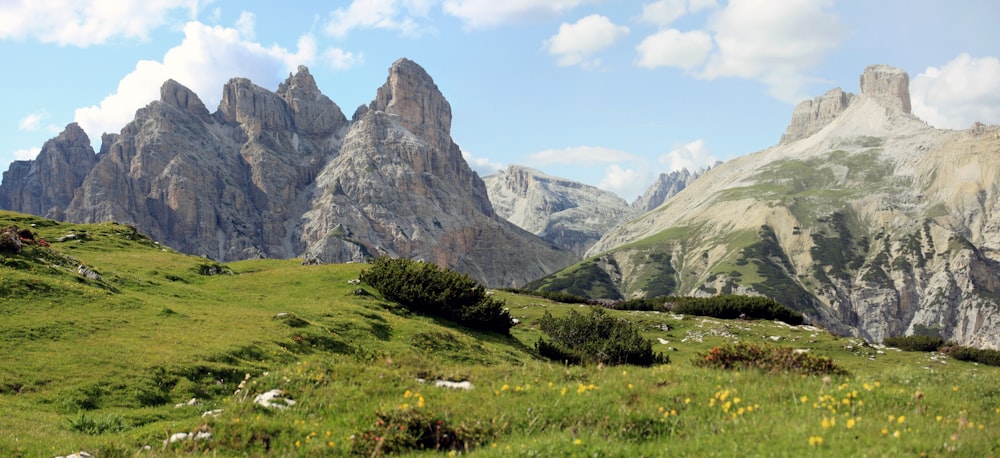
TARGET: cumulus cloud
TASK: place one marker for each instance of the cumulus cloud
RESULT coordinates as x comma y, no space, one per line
663,12
482,166
206,58
492,13
774,44
26,154
395,15
674,48
576,43
693,156
31,122
88,22
627,182
959,93
245,24
579,155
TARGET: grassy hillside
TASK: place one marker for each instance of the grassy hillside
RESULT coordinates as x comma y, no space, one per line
100,365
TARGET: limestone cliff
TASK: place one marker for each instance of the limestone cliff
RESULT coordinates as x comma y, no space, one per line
569,214
876,224
285,174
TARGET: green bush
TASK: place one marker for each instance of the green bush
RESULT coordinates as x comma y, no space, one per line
555,296
410,429
914,343
424,288
982,356
734,306
767,358
597,338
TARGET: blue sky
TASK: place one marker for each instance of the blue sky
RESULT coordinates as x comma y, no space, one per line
610,93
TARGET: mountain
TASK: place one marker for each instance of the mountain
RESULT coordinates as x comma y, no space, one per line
285,174
666,186
863,217
567,213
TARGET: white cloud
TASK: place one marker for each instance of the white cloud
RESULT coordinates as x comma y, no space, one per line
31,122
663,12
959,93
88,22
775,44
26,154
204,61
492,13
245,25
342,60
628,183
674,48
482,166
693,156
397,15
576,43
579,155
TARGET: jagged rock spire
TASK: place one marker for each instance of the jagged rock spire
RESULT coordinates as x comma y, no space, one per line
410,93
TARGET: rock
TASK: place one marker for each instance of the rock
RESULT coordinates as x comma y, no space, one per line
810,116
666,186
410,94
87,272
46,185
178,96
80,454
463,385
274,399
889,85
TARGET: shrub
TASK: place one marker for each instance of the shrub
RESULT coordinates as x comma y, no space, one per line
424,288
767,358
409,429
555,296
97,425
597,338
734,306
914,343
982,356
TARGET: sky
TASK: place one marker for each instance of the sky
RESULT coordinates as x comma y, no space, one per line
610,93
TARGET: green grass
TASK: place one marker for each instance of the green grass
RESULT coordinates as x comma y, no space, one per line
99,366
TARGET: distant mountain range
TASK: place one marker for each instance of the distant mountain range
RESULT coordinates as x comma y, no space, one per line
285,174
863,217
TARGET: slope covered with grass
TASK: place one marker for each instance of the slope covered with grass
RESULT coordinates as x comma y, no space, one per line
109,364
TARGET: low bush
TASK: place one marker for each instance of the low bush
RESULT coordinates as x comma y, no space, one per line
976,355
555,296
408,429
597,338
767,358
734,306
424,288
914,343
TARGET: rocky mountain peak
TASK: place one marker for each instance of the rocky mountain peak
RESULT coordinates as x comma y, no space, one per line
179,96
411,95
889,85
253,106
313,113
811,116
300,85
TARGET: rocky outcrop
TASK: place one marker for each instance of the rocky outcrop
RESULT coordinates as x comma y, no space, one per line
285,174
46,185
888,85
666,186
875,225
810,116
569,214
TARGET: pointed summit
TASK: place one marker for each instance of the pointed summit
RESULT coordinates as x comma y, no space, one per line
313,113
410,93
179,96
300,85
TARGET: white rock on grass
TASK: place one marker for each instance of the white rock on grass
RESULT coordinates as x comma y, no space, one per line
274,399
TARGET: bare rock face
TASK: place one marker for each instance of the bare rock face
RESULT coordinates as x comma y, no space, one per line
285,174
889,85
810,116
569,214
45,186
666,186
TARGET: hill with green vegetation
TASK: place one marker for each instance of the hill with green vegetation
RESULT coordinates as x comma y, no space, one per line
143,344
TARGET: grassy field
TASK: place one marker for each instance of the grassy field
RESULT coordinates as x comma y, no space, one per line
109,366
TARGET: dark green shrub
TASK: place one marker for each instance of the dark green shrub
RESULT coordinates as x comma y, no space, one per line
734,306
982,356
555,296
767,358
424,288
597,338
914,343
